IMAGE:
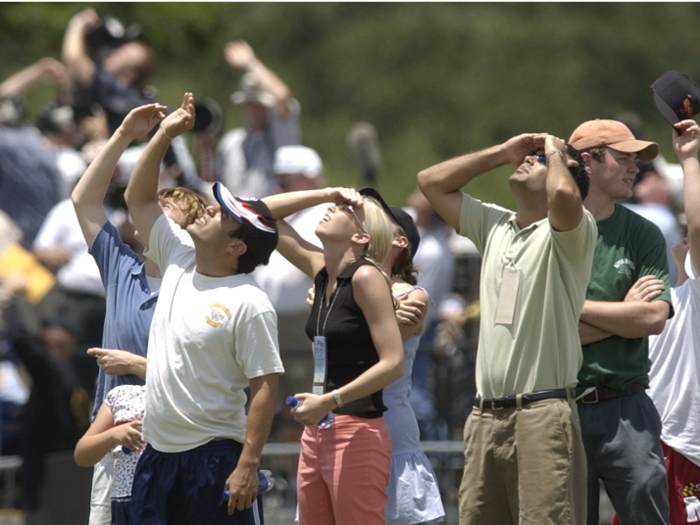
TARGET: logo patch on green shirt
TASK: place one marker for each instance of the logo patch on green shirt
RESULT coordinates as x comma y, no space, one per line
624,266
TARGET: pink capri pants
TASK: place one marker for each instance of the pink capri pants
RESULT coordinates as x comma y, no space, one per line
343,472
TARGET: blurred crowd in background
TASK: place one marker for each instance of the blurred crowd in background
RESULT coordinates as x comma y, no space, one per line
47,387
47,382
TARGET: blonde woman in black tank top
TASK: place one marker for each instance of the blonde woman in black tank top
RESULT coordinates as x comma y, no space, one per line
344,470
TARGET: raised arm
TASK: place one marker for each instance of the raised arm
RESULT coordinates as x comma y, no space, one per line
142,191
441,184
88,195
47,70
240,55
686,147
563,195
307,257
75,55
283,205
302,254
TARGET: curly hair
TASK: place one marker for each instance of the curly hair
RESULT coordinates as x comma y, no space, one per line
191,204
579,173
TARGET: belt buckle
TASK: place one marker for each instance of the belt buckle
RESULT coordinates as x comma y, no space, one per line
501,400
583,399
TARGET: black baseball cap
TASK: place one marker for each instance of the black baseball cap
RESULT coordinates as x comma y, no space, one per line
256,219
402,218
676,96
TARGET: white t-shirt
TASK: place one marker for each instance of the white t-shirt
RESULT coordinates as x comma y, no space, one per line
675,370
61,229
209,336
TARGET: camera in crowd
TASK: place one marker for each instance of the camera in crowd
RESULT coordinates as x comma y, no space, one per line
111,34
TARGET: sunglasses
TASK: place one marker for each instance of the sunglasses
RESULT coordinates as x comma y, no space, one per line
348,207
542,159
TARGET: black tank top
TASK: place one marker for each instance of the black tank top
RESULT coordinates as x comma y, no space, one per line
350,349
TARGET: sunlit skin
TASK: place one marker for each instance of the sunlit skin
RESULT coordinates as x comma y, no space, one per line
213,229
614,175
531,175
174,213
339,223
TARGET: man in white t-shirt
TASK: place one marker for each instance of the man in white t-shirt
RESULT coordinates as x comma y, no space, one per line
674,378
214,333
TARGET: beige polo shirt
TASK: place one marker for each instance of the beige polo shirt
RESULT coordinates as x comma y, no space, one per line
540,349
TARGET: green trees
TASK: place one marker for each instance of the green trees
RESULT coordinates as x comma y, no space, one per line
436,80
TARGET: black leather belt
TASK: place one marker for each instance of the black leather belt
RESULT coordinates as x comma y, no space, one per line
602,393
500,403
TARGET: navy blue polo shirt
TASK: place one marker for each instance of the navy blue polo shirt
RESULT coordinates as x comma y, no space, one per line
130,305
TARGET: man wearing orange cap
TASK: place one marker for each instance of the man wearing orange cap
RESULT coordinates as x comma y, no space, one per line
619,423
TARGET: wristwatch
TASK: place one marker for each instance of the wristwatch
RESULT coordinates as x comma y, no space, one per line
338,399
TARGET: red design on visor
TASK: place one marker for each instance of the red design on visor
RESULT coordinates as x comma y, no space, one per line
241,210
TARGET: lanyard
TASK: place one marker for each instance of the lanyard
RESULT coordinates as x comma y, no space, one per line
320,331
319,346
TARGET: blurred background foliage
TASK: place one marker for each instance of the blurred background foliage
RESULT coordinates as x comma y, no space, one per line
436,79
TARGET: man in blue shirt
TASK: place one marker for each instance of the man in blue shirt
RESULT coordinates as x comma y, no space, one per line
131,285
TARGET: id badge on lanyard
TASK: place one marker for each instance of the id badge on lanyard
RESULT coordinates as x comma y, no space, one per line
320,347
320,365
508,295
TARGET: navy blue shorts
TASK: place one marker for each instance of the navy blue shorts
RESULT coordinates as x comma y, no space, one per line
186,488
120,512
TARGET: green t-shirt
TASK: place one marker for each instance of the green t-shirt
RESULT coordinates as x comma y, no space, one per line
628,248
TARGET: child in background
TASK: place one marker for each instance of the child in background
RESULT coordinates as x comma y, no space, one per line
116,429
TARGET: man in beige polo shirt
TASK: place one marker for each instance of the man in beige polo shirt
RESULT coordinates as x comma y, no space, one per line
524,459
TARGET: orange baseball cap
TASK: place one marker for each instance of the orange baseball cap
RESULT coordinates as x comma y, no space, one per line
613,134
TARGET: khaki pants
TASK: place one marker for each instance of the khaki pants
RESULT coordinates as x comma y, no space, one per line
524,466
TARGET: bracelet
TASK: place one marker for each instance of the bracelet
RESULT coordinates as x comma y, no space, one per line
251,63
555,151
338,400
166,135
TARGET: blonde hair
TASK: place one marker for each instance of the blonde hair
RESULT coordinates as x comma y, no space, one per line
378,227
191,203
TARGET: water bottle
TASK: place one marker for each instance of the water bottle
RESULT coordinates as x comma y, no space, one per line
327,420
265,484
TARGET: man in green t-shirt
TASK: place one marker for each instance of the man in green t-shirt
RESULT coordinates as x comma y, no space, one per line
524,458
620,425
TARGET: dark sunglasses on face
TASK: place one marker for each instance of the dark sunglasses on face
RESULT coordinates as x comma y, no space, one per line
345,206
542,159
